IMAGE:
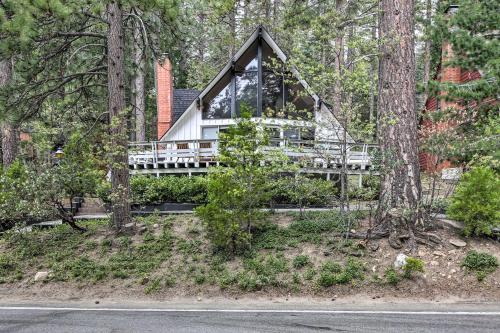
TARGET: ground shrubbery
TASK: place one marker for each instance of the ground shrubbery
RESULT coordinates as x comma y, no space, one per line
412,266
370,189
151,190
313,227
476,201
78,257
333,273
480,263
302,191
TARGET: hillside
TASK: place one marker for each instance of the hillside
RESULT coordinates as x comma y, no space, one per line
168,257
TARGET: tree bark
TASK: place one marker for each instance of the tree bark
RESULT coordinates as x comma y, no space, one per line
397,131
338,110
116,103
10,132
138,88
373,66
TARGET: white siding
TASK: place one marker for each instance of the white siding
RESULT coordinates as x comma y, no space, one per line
189,125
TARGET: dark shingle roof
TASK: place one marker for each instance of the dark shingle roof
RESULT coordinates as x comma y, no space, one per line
182,100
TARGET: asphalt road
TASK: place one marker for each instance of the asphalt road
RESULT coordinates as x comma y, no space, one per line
93,319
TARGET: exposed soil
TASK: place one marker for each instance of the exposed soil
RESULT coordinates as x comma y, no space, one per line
444,278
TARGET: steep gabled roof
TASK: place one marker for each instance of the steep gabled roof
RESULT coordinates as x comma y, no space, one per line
259,32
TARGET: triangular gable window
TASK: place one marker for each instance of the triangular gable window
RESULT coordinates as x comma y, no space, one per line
258,80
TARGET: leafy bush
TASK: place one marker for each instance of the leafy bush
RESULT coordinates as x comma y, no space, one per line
326,279
262,271
237,190
370,189
412,265
330,266
18,193
391,276
224,228
150,190
481,263
333,273
476,201
154,286
312,228
302,191
301,261
82,268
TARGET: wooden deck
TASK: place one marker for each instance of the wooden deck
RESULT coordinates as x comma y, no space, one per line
197,156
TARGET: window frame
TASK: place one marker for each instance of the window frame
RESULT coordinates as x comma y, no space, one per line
237,69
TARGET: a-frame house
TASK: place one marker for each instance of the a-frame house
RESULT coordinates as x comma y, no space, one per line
256,78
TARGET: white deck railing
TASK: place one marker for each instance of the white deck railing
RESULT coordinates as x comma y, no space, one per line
203,153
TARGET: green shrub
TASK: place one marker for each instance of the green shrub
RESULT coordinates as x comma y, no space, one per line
481,263
200,278
248,281
301,261
121,274
81,269
391,276
151,190
301,191
6,264
412,265
330,266
327,279
333,273
476,201
224,228
19,196
370,189
261,271
354,268
153,286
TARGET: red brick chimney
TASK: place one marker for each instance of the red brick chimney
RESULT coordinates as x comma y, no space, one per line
164,95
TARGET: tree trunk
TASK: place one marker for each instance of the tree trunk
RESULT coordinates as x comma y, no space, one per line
116,98
397,130
338,110
138,93
9,130
373,66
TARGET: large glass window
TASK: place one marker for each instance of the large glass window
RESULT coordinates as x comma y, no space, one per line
246,92
282,95
219,107
272,94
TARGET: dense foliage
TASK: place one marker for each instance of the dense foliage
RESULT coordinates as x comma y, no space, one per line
237,190
480,263
152,190
476,201
470,29
31,192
